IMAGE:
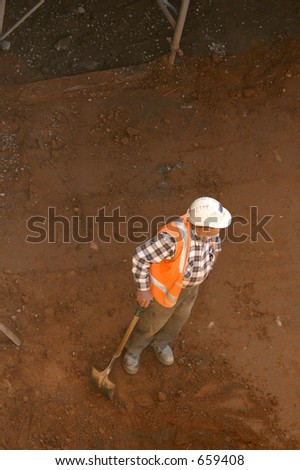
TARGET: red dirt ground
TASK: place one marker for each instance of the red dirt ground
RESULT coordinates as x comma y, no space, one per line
227,128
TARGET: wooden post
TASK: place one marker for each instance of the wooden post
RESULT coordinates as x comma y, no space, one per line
21,20
166,13
2,11
178,30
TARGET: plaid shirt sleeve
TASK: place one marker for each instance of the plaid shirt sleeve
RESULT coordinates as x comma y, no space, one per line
162,246
217,241
215,248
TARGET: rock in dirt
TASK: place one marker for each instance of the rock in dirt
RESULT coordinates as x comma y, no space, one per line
25,299
248,92
5,46
163,169
89,64
63,44
162,396
124,141
132,132
181,361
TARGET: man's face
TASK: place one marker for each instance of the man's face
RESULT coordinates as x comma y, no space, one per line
207,231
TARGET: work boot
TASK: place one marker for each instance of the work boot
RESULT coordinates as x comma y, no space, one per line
131,362
163,353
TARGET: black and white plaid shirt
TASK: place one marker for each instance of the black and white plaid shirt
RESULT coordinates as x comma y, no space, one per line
163,246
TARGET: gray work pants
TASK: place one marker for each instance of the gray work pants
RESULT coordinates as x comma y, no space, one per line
160,323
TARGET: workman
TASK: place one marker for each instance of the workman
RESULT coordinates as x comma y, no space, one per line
168,270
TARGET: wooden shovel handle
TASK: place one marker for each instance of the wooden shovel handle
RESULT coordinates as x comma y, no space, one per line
129,330
10,335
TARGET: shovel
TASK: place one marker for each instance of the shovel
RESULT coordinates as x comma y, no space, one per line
100,379
10,335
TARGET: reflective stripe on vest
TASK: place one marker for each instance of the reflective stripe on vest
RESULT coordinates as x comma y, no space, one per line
160,286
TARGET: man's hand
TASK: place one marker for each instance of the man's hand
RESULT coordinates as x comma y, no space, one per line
144,297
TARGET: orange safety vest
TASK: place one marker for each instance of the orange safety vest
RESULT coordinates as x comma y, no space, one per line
166,277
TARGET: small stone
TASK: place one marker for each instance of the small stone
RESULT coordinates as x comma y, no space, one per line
94,246
163,169
63,44
25,399
144,399
277,156
89,64
181,393
248,92
162,396
5,45
132,132
81,10
124,141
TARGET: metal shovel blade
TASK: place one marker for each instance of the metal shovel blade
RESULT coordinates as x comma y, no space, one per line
101,381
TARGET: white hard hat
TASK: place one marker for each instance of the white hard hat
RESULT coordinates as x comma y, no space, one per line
208,212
